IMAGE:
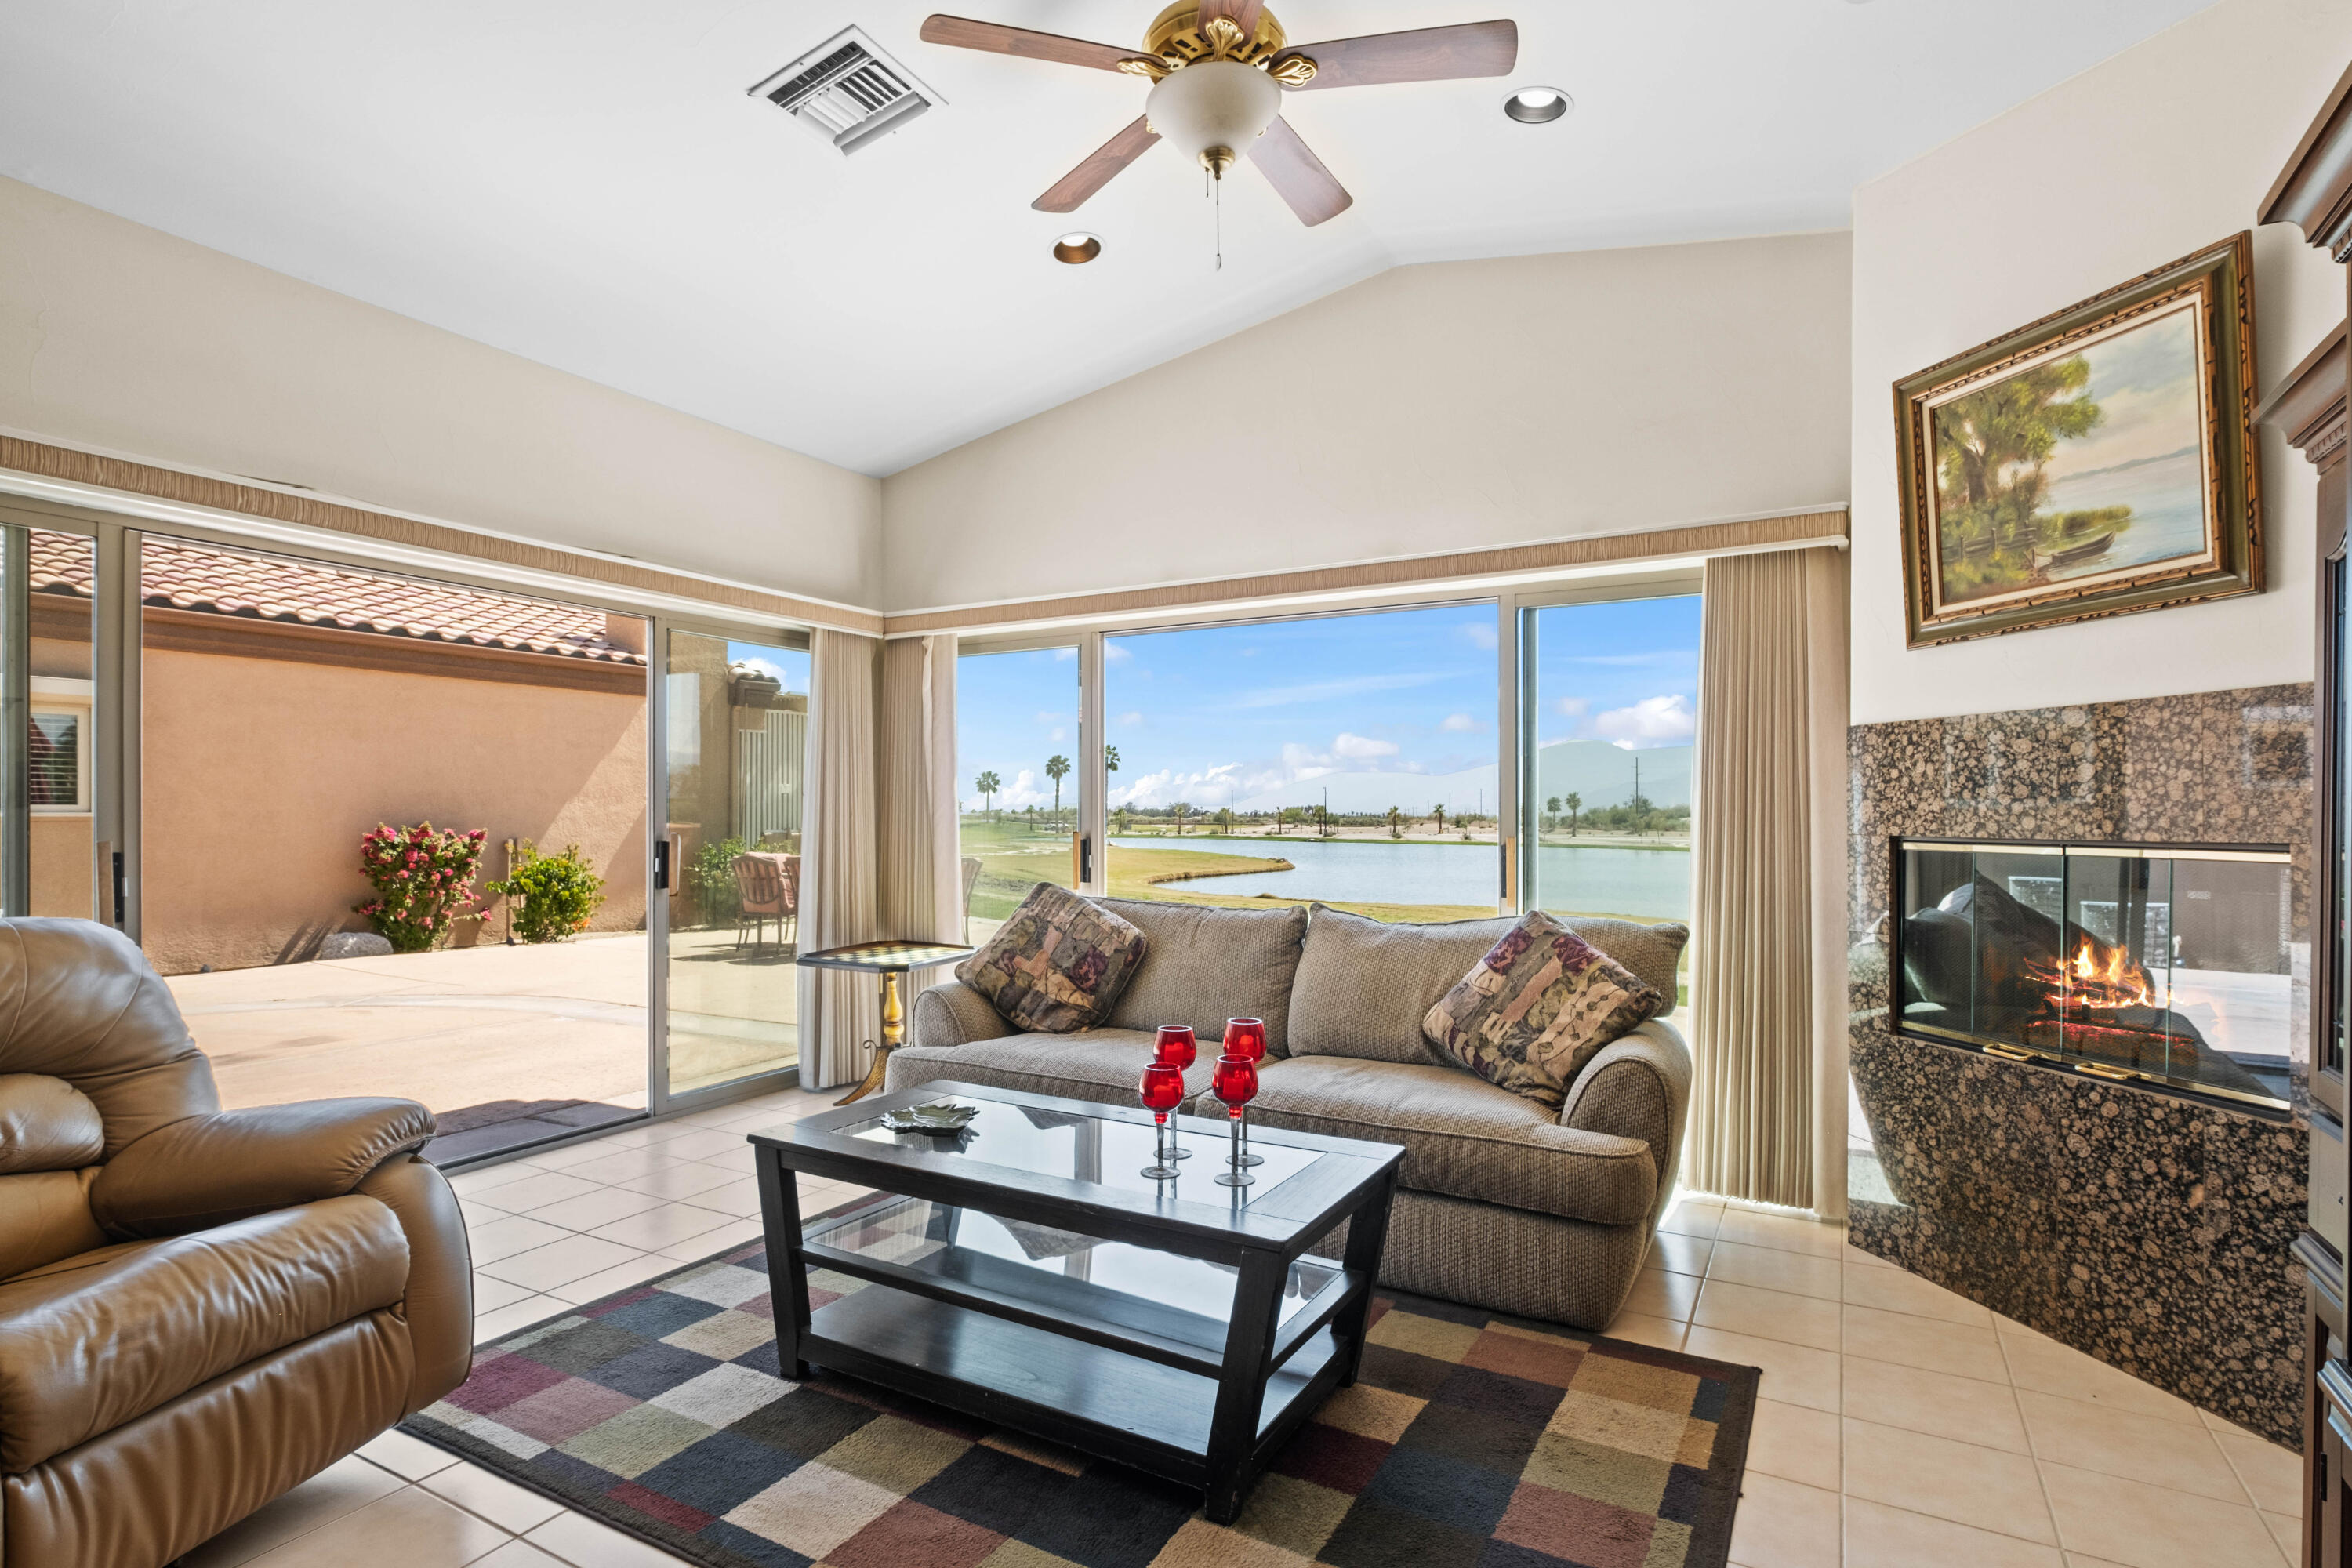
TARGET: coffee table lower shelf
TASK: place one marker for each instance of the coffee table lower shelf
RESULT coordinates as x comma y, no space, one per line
1154,1417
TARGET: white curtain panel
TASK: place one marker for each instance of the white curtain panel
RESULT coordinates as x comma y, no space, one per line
840,1010
1767,973
919,886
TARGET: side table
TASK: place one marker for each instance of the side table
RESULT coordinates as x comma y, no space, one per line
889,959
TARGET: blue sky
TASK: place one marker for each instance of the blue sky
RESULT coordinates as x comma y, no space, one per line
1217,712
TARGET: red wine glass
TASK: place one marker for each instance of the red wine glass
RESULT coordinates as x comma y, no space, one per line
1236,1084
1163,1091
1177,1047
1246,1037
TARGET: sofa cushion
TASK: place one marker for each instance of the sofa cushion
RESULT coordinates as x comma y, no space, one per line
1653,953
1102,1065
1463,1137
90,1343
1535,1008
1207,966
1058,964
1364,985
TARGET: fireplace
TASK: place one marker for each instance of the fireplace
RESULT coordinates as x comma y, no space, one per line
2169,967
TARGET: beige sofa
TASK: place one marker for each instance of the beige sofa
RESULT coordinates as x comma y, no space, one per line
1501,1202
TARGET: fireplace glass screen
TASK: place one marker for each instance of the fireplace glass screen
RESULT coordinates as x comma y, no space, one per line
2173,966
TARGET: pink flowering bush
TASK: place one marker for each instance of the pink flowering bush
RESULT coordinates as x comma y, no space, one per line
424,881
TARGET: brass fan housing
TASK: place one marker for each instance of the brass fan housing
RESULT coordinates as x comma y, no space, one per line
1176,37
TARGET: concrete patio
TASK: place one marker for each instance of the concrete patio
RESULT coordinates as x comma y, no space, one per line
467,1026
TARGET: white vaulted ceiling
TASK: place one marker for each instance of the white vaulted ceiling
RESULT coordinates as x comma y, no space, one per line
586,184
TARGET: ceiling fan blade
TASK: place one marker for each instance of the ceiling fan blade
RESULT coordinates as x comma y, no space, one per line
1070,192
961,33
1427,54
1298,176
1243,14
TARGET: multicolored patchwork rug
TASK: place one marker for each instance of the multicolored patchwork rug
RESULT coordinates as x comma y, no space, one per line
1470,1439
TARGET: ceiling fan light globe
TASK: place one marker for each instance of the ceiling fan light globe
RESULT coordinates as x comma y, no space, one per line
1213,105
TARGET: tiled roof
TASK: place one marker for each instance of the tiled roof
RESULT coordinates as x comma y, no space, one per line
220,582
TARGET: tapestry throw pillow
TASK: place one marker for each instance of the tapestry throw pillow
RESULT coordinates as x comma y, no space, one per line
1530,1013
1058,965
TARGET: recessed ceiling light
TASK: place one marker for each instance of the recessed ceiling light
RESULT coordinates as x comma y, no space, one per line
1076,248
1537,105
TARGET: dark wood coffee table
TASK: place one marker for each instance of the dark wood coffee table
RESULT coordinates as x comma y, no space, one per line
1025,1271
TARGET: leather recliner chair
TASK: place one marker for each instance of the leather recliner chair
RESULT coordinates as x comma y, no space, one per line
199,1308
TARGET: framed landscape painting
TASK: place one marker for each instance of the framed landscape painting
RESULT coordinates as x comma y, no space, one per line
2099,461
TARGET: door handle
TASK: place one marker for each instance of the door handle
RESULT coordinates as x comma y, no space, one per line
122,890
661,864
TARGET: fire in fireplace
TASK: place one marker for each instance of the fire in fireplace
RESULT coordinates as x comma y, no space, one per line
2171,965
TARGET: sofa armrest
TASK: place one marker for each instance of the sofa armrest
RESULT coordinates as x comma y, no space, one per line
953,1014
1638,1086
438,1302
209,1170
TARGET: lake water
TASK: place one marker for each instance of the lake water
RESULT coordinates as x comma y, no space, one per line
1600,878
2167,501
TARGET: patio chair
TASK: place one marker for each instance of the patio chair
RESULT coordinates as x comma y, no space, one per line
769,887
970,881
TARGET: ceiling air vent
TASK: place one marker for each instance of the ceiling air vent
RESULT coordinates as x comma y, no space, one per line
847,91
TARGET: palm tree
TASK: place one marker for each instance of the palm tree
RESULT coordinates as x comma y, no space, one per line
1575,803
1057,768
987,784
1179,808
1394,831
1110,759
1440,811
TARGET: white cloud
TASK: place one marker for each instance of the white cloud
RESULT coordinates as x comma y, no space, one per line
1459,723
1206,788
1045,717
1129,719
1359,748
1296,756
1023,791
1057,733
1574,707
1317,691
1653,722
766,667
1115,653
1481,636
1063,655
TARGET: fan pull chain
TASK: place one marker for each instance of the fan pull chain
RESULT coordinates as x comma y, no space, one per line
1220,204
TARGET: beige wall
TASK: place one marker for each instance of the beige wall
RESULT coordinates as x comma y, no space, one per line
1434,407
124,338
262,775
2155,153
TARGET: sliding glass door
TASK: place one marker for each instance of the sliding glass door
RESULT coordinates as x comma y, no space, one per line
1609,719
734,744
51,860
1020,778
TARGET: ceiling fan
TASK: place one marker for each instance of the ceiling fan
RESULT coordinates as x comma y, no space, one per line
1218,70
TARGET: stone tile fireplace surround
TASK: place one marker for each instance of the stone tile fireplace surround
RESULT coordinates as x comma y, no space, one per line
2148,1230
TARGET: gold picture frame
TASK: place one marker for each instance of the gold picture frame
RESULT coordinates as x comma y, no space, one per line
2100,461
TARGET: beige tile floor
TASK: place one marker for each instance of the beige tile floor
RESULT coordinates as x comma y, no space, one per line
1899,1425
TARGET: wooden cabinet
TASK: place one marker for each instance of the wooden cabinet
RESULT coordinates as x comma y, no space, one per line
2313,192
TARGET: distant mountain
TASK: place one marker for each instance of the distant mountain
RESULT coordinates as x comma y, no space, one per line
1599,772
1603,773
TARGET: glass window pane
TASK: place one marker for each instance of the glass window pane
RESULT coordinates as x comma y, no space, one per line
291,712
1347,759
1610,692
1017,776
735,745
61,853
